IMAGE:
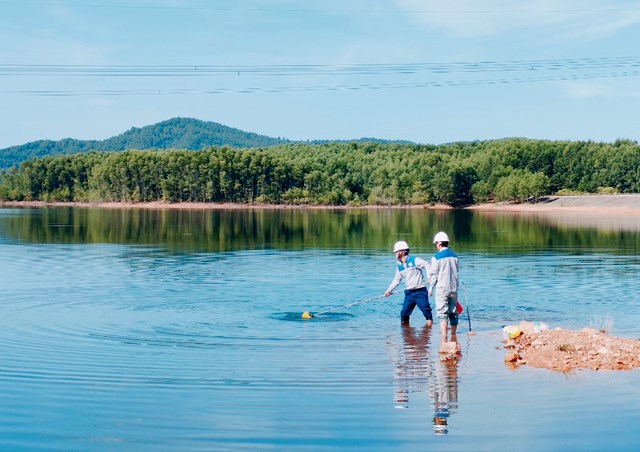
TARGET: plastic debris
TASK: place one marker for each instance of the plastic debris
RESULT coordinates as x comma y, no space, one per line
532,327
511,332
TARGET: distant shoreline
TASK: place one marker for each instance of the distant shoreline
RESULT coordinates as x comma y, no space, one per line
204,206
609,204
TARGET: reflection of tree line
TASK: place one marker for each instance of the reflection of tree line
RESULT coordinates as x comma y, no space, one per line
414,373
223,230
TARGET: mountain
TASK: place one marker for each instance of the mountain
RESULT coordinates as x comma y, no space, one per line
176,133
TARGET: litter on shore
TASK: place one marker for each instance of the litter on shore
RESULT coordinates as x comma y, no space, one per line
534,344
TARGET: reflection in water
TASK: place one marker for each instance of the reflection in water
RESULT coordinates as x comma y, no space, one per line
412,363
415,373
362,229
160,344
444,391
604,222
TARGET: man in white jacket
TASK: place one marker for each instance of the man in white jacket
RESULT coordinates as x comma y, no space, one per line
444,278
414,271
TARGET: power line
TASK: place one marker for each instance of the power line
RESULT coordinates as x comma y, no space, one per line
69,70
343,87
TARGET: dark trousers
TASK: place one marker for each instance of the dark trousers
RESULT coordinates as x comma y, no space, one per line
413,298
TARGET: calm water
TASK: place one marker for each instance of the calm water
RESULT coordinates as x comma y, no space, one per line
181,330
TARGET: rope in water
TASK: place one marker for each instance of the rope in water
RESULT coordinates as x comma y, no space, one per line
350,304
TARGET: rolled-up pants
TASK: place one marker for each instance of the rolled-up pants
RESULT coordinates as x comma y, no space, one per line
446,306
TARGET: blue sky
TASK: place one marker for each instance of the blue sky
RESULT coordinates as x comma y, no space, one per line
422,70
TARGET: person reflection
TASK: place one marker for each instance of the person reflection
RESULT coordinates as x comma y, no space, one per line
412,365
445,390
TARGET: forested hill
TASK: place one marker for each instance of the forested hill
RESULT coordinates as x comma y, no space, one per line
176,133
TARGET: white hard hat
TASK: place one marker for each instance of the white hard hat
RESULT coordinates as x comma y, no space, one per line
400,245
441,237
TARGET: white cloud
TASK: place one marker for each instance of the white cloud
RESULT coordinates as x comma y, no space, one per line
588,19
586,90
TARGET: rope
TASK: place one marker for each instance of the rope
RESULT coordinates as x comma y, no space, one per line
350,304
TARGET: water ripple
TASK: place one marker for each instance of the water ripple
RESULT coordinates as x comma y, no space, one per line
139,347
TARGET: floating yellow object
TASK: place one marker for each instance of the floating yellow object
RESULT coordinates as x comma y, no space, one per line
306,315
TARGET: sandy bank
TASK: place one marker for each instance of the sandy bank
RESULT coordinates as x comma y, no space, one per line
618,204
610,204
602,212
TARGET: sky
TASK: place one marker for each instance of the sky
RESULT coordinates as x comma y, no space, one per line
427,71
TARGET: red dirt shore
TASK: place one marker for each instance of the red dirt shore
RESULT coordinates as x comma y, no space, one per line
567,350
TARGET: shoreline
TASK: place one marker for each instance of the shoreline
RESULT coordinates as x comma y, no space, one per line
606,204
204,205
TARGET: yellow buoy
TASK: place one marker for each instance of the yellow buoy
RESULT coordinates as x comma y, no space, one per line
306,315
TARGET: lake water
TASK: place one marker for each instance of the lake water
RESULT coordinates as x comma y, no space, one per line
182,330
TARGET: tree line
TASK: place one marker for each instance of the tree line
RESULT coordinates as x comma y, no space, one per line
353,173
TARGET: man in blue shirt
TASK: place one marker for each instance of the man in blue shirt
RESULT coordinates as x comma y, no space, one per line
413,270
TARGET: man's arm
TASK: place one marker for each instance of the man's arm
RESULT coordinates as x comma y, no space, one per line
433,275
394,283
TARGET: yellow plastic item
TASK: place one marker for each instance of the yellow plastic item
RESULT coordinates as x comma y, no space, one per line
511,331
306,315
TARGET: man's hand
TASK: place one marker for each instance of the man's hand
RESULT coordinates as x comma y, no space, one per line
387,293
